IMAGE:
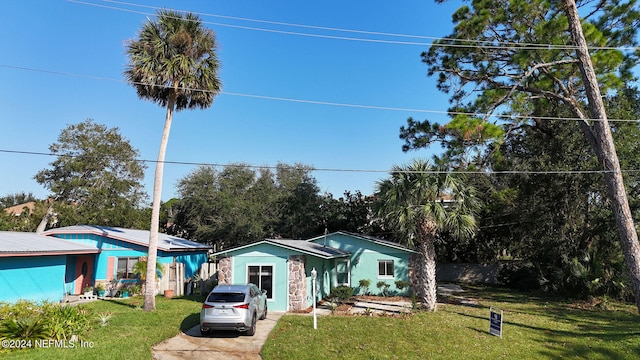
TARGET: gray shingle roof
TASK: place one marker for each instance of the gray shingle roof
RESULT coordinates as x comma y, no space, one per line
369,238
296,245
311,248
14,243
139,237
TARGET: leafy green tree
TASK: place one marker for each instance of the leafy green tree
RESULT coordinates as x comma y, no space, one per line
510,58
95,178
411,202
298,203
172,63
351,212
16,199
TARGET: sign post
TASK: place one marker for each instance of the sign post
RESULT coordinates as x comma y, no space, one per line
495,322
314,274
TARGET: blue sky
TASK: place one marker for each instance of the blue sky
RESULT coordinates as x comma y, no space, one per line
64,38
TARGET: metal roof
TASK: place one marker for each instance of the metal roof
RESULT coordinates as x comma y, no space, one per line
303,246
13,243
139,237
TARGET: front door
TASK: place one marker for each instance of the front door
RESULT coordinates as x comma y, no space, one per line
84,273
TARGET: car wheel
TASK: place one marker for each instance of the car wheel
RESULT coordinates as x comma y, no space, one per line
264,314
204,332
252,329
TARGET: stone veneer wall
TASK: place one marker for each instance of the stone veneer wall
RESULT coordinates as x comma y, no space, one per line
224,271
297,282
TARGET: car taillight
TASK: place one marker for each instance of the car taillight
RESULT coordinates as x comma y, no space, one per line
205,306
243,306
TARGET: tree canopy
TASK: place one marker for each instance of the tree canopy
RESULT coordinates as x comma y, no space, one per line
95,178
514,66
240,204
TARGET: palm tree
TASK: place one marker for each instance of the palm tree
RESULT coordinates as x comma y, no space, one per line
420,204
172,63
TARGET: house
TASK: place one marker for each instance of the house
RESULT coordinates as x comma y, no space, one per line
121,248
283,267
17,210
65,260
37,267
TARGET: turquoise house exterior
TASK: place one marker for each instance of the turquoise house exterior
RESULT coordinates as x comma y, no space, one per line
119,249
283,267
63,261
37,268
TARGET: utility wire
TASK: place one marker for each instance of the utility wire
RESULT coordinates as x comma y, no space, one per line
445,42
317,102
507,172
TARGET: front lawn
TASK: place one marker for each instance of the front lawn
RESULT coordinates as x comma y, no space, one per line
130,332
533,328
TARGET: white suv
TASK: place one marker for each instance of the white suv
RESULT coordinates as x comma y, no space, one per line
233,307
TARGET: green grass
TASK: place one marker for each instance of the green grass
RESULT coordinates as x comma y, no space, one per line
533,328
130,332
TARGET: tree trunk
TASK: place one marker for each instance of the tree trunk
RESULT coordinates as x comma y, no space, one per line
426,274
150,283
45,220
606,152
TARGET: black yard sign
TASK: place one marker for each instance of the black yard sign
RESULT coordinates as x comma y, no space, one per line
495,322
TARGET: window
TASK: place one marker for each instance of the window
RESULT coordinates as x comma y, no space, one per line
262,276
125,267
385,268
342,272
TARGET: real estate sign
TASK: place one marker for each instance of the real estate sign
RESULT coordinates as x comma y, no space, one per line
495,322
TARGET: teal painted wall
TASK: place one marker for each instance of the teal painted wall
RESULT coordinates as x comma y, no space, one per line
40,278
265,254
192,261
364,262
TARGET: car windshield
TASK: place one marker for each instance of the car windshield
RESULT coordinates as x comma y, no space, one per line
225,297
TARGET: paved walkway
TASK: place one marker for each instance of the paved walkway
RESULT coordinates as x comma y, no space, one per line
219,345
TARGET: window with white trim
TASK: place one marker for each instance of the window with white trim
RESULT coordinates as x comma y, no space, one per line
343,272
385,268
262,276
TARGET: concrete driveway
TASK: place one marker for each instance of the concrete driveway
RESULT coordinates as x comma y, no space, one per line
225,345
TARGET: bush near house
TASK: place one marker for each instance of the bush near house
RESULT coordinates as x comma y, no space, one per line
341,294
28,320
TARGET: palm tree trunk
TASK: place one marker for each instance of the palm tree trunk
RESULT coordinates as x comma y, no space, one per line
150,286
427,287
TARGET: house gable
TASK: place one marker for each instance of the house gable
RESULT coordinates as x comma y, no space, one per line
372,259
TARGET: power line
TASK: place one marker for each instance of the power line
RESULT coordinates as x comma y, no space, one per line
319,102
458,43
272,167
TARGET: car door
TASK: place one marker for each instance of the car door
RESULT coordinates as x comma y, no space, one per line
256,296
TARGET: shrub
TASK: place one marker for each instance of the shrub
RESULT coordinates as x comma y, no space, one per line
363,285
29,328
402,284
383,286
341,293
29,320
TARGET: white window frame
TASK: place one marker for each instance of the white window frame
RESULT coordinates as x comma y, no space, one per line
348,264
393,267
273,278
